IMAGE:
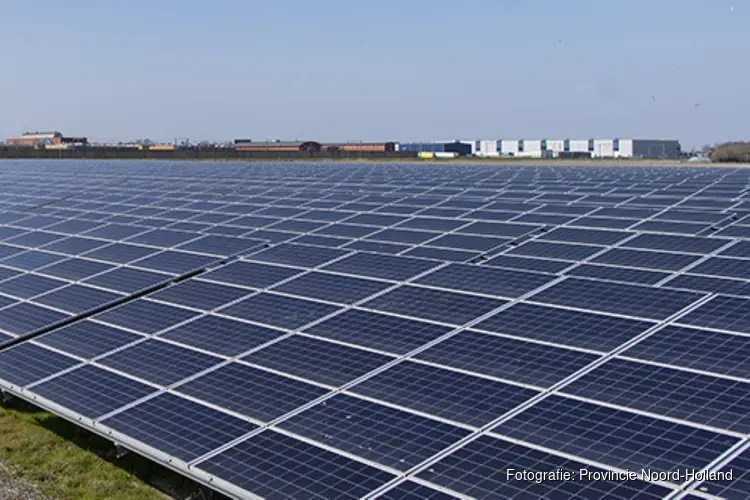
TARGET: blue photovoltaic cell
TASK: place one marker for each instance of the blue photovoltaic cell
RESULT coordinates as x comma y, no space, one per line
7,251
24,318
121,253
671,227
620,274
631,300
77,299
316,360
736,488
403,236
378,331
602,222
252,392
35,239
436,305
165,238
222,245
563,326
323,241
75,246
410,490
509,359
697,349
468,242
442,254
179,427
562,251
661,261
171,261
250,274
487,281
159,362
672,243
527,264
25,364
590,236
725,313
128,280
200,294
375,432
390,267
376,246
332,287
480,470
299,255
719,266
278,310
615,437
712,401
452,395
709,284
87,339
221,335
75,269
30,285
274,465
501,229
91,391
432,224
145,316
32,259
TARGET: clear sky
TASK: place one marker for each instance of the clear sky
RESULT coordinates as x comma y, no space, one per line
334,70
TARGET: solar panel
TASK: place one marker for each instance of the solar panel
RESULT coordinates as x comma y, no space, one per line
480,469
251,392
385,435
436,305
629,300
707,400
609,436
297,331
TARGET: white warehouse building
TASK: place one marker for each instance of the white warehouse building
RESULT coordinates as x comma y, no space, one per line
576,148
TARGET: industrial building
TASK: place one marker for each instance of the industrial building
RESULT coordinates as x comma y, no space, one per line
458,147
45,139
577,148
361,147
279,146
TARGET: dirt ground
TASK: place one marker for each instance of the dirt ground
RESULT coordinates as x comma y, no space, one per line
14,488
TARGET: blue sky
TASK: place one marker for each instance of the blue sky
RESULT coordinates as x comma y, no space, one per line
358,70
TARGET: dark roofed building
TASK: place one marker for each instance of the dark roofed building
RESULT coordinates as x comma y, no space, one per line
250,145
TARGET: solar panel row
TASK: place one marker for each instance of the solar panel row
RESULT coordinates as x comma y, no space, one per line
304,331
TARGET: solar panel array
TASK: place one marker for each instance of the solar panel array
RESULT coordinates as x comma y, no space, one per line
391,331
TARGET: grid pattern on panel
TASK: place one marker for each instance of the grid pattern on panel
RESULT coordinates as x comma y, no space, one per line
92,391
317,360
179,427
563,326
487,281
615,437
436,305
713,401
279,310
697,349
480,469
638,301
726,313
452,395
332,287
379,433
737,488
378,331
515,360
274,465
159,362
252,392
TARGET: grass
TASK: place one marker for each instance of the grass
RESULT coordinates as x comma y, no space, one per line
64,462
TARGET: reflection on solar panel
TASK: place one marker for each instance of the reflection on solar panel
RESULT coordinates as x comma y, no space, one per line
387,331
